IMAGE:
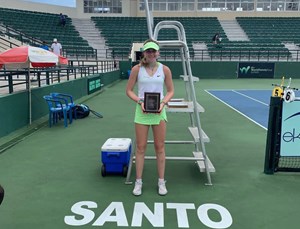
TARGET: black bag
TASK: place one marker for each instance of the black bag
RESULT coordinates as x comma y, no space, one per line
82,111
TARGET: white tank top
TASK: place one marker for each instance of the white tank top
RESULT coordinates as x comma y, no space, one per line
147,83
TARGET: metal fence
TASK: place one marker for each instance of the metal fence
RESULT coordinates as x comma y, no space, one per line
17,80
221,55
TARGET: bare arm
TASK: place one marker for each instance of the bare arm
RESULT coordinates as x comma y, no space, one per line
131,83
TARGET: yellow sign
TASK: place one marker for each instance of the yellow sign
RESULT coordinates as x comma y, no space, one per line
277,92
278,89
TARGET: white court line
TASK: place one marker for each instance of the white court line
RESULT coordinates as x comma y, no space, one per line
250,98
247,117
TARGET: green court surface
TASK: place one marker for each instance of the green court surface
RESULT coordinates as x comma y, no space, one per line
52,177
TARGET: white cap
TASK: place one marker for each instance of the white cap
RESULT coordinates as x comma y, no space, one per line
54,40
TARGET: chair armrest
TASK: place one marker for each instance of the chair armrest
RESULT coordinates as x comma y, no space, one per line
62,95
65,101
56,102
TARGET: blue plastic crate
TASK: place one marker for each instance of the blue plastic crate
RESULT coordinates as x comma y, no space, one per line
115,155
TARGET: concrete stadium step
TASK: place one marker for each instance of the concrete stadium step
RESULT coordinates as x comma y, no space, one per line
201,51
233,30
89,32
293,49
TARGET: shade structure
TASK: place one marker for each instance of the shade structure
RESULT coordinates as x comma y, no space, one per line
26,57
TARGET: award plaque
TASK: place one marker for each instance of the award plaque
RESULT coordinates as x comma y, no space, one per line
151,102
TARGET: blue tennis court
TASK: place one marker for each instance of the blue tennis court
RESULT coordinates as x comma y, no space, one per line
253,104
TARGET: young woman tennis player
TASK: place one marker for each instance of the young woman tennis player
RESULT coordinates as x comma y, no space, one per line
150,76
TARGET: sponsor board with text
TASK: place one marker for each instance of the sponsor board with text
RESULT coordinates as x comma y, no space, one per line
290,129
256,70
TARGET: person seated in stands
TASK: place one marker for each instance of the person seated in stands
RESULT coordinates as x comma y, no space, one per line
216,39
62,19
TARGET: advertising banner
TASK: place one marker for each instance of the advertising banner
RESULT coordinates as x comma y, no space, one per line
290,129
93,84
255,70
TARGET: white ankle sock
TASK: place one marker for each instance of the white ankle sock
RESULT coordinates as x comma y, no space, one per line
161,180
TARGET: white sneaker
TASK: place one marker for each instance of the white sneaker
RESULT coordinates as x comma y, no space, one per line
137,191
162,190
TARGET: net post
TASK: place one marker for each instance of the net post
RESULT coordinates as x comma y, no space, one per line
273,135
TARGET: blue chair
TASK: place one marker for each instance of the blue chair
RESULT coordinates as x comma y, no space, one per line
57,110
68,100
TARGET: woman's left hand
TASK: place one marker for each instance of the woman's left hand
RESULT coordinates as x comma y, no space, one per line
162,105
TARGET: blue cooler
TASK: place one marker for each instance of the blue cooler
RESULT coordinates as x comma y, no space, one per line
115,155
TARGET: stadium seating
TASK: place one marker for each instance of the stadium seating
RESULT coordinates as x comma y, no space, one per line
271,29
267,37
121,32
266,34
249,49
45,27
